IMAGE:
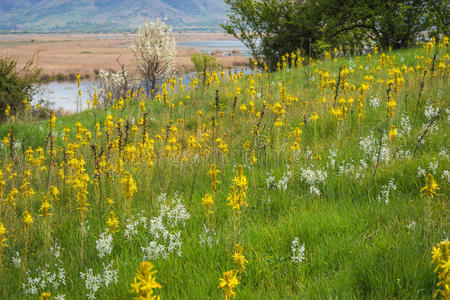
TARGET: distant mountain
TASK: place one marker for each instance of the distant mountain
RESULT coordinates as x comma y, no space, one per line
107,15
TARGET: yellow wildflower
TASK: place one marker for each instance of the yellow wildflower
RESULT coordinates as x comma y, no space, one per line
239,258
227,283
431,187
113,222
144,282
27,218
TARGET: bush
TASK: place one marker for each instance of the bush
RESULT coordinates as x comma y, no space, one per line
115,84
17,85
204,63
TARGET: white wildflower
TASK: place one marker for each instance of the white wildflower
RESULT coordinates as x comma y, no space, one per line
411,225
420,172
16,260
386,191
433,166
374,102
208,237
298,251
104,245
446,175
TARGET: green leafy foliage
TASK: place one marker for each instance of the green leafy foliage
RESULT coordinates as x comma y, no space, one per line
273,28
203,63
16,85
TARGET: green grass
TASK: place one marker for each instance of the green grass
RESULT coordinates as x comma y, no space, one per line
355,245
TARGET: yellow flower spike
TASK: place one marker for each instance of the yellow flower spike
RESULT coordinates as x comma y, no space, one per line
393,133
142,106
7,110
144,282
45,296
27,218
3,239
441,257
239,258
246,145
431,187
207,202
253,159
113,222
11,197
54,192
45,207
227,283
213,171
238,196
278,122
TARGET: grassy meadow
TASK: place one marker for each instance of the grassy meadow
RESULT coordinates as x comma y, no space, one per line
319,194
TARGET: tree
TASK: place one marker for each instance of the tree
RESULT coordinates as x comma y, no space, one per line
155,54
17,85
272,28
397,24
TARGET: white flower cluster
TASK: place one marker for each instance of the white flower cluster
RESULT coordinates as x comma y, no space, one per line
346,168
16,260
94,282
298,251
104,245
374,102
433,166
44,279
443,153
173,210
56,250
132,225
446,175
412,225
420,172
430,111
208,237
402,154
369,146
164,233
331,158
280,184
312,178
405,125
386,191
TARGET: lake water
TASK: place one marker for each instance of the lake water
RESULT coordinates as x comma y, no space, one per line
214,45
64,94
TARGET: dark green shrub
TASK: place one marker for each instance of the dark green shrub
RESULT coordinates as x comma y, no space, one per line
17,84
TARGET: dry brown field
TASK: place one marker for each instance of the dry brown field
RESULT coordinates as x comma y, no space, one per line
69,54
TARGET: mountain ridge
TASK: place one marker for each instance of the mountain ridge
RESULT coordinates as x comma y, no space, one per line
107,15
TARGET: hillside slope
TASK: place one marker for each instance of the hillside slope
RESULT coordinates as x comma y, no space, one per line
106,15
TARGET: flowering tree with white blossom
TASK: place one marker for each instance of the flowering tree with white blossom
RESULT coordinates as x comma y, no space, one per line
155,53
